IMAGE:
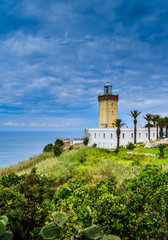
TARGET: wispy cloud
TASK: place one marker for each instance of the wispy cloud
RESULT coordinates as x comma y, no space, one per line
13,124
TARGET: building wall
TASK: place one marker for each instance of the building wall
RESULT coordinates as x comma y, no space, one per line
108,113
107,138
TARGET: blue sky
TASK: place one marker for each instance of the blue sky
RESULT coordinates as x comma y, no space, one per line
56,56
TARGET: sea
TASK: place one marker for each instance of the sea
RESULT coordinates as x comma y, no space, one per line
16,146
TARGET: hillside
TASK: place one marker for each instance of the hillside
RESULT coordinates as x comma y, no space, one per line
96,161
123,195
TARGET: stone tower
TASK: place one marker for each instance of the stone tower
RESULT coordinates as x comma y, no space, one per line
108,107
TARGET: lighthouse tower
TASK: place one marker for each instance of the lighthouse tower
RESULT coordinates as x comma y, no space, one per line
108,107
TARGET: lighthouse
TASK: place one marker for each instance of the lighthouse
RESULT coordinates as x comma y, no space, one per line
108,107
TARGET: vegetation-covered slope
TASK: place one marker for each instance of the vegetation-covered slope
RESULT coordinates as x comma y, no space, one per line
127,196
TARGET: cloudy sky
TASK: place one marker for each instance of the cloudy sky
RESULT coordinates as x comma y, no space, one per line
56,56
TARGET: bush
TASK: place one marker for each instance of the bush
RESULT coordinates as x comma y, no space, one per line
26,201
137,209
59,142
86,141
130,146
57,150
48,148
161,148
70,148
58,147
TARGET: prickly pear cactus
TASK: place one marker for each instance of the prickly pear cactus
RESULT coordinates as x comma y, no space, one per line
60,218
7,236
110,237
4,235
50,231
4,218
2,227
93,232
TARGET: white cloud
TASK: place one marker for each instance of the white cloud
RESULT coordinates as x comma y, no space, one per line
12,124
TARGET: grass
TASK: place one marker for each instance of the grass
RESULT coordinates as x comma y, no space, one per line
97,162
26,164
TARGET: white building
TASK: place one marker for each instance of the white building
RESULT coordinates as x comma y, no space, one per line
107,137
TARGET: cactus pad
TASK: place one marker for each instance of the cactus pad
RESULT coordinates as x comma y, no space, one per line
110,237
93,232
4,218
7,236
50,231
60,218
2,227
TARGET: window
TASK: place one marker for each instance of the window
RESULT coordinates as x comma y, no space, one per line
153,134
123,135
104,135
112,112
95,135
132,135
112,104
99,134
111,135
139,135
146,135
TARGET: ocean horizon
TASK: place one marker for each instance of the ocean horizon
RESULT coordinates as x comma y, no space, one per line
16,146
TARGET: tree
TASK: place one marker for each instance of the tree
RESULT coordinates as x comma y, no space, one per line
118,124
59,142
156,118
48,148
58,147
86,141
166,125
57,150
161,124
148,118
135,114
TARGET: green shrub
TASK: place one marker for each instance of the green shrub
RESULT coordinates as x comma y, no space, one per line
59,142
70,148
48,148
94,145
130,146
161,148
58,147
57,150
136,209
26,201
86,141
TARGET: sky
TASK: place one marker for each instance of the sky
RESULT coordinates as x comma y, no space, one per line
57,55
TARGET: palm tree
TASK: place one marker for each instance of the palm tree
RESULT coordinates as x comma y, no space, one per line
157,118
135,114
161,124
148,117
154,120
166,125
118,124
